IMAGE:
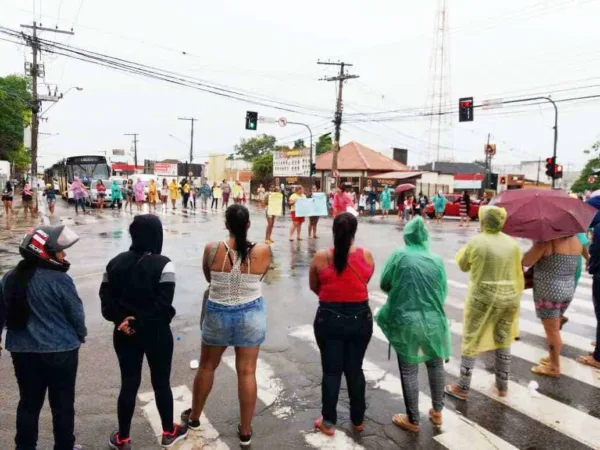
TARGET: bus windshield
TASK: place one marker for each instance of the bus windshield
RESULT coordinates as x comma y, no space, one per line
88,172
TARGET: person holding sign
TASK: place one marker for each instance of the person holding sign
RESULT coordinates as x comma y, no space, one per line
296,221
313,220
273,199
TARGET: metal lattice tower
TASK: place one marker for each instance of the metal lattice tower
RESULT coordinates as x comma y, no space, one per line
439,98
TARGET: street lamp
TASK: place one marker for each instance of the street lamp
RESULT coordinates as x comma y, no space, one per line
60,98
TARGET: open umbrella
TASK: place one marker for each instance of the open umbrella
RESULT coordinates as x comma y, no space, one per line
543,215
404,187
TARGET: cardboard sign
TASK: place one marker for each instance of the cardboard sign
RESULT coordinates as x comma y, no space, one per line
217,193
312,207
275,206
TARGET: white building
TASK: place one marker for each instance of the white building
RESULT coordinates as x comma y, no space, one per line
535,172
291,163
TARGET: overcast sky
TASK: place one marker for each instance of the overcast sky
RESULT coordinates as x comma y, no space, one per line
268,47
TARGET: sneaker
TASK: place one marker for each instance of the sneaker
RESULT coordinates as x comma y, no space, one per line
77,447
169,439
245,439
115,442
191,424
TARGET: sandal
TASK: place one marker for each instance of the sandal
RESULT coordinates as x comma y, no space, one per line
588,361
545,371
454,391
563,321
544,361
401,420
359,428
319,425
435,417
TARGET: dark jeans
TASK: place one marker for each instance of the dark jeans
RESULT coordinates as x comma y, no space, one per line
372,209
214,203
596,298
154,340
343,332
185,199
80,202
36,373
116,203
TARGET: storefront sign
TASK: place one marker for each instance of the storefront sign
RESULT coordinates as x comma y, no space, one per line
165,169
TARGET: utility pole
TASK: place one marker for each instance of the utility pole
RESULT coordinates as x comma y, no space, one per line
486,178
192,120
36,107
343,76
537,181
135,141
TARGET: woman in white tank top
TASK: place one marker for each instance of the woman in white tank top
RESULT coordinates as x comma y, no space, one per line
235,315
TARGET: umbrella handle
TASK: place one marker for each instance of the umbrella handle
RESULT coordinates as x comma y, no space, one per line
389,351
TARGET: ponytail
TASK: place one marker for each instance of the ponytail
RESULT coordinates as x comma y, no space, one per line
344,230
237,218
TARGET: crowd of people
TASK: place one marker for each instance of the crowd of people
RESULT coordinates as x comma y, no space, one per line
45,319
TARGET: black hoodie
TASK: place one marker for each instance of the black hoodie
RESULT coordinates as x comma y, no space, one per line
140,282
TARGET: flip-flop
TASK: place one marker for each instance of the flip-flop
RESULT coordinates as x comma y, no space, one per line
435,417
401,420
448,391
544,361
542,370
585,360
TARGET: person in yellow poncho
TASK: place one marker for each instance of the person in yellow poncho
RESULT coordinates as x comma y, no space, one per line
152,194
173,192
414,321
490,319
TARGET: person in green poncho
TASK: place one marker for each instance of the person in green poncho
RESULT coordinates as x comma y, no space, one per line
414,321
386,201
439,206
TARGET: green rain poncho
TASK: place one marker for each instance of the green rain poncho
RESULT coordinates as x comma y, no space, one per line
493,260
413,317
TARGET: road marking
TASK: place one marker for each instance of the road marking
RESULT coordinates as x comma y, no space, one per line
460,427
569,367
554,414
207,438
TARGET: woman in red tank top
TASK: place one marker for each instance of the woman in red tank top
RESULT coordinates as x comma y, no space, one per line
344,322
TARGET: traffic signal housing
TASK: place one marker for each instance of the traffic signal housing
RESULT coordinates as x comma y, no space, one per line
465,109
550,166
558,171
313,169
251,120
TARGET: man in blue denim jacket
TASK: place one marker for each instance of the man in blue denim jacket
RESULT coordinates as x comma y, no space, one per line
46,326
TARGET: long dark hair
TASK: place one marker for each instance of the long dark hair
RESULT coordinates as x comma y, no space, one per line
237,218
344,229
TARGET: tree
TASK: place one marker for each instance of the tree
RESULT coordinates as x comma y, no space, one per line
582,185
15,115
299,143
324,144
262,167
250,149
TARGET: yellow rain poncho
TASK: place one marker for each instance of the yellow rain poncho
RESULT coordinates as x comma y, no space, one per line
493,259
413,317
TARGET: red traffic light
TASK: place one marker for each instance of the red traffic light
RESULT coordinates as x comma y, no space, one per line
549,160
558,168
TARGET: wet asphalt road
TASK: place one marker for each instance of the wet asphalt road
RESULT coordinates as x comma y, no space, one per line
565,416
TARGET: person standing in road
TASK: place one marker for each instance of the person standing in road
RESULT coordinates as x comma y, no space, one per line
372,201
173,192
129,196
185,193
341,200
554,267
101,192
593,359
464,209
140,194
362,203
439,206
205,193
313,220
164,193
46,326
491,313
270,219
79,194
226,192
296,221
235,315
152,195
136,294
344,322
386,201
7,199
215,200
423,202
238,192
27,199
116,195
260,192
414,321
50,195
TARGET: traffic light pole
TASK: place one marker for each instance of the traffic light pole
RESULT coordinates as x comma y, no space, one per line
311,142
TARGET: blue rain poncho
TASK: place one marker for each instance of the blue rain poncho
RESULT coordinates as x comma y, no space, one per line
493,260
413,317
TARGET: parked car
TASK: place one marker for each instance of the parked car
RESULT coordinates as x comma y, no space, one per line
453,207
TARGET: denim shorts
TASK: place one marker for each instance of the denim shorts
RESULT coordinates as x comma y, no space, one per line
238,326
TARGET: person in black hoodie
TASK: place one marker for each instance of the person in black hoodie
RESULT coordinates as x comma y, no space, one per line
137,295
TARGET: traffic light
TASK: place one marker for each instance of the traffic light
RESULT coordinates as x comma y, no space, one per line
502,180
550,164
465,109
251,120
313,169
558,171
